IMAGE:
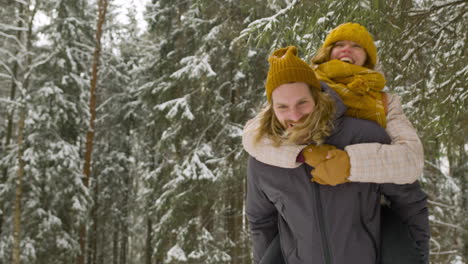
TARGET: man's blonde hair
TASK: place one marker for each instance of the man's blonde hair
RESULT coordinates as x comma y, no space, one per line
316,127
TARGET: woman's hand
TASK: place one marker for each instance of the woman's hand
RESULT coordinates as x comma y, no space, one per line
334,170
331,165
314,155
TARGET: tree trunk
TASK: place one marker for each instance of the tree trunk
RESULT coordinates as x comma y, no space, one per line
18,192
126,211
28,15
102,8
234,217
115,243
461,172
93,234
101,253
124,237
149,238
9,132
235,205
124,245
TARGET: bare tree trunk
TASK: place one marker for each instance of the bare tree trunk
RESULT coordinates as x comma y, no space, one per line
115,244
461,172
234,217
124,237
102,8
102,255
124,245
149,238
18,192
92,248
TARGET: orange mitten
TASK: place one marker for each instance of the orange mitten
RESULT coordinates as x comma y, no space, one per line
314,155
333,171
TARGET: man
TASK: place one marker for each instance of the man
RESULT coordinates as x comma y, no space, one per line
320,223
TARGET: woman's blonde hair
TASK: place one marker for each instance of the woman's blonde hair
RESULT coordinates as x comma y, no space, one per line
323,55
316,127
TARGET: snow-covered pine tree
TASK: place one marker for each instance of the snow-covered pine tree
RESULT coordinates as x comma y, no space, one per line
113,214
197,88
53,197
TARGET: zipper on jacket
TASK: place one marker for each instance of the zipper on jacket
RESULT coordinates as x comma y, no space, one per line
374,241
323,234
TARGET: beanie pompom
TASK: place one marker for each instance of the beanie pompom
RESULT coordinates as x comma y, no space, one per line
286,67
280,53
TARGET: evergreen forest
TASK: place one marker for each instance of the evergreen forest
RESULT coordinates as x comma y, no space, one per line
121,143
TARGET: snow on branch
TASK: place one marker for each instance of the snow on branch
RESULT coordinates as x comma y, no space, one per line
152,87
175,105
21,2
434,7
14,38
176,253
448,225
79,80
7,101
442,205
264,24
10,27
6,76
195,67
8,69
195,168
70,58
463,71
9,54
450,180
38,62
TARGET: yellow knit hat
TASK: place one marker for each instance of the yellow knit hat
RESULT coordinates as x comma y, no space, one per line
286,67
353,32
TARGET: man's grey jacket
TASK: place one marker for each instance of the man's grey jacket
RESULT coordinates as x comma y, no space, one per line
325,224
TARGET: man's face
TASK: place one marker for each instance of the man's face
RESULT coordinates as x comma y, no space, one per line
292,103
349,51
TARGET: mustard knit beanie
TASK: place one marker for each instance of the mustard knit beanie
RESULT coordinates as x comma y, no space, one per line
286,67
353,32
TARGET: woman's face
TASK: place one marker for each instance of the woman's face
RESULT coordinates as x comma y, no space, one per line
348,51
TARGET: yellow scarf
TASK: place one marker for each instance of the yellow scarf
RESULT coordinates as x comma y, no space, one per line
359,87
